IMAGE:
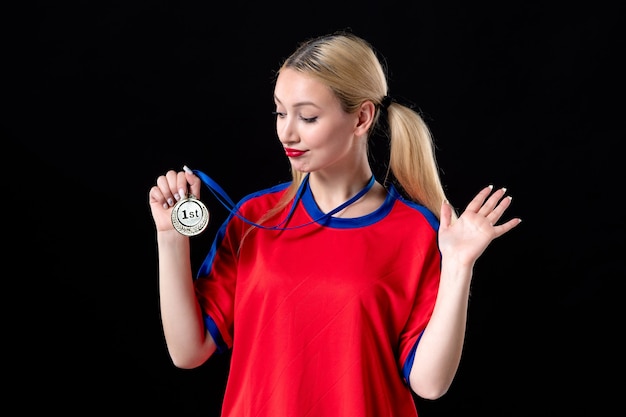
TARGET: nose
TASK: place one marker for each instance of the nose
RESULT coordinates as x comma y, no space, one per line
286,130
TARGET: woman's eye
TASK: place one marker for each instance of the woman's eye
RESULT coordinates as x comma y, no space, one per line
308,119
282,115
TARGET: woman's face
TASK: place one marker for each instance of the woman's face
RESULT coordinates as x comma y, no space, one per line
311,125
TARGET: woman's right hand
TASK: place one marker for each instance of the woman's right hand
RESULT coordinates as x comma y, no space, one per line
170,188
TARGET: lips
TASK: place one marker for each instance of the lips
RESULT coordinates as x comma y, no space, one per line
293,153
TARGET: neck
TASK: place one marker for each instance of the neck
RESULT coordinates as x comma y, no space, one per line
331,192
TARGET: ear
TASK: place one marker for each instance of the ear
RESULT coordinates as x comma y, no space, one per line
365,117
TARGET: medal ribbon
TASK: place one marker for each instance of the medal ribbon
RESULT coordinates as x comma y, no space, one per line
227,202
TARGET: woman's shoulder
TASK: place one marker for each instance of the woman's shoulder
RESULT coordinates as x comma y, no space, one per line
418,210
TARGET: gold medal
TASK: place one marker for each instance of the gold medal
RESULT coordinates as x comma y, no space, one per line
190,216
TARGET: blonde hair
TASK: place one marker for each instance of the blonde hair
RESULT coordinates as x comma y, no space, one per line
350,67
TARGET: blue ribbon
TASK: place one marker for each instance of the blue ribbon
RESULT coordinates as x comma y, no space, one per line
227,202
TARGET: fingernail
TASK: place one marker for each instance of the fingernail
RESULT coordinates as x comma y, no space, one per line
170,201
165,206
182,192
176,196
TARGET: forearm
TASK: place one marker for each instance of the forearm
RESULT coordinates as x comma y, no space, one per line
439,351
186,337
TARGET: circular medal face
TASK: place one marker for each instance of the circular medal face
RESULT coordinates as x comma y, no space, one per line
190,216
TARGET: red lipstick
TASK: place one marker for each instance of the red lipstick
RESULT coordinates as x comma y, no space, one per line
293,153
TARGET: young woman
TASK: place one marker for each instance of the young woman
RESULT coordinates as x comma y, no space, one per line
337,293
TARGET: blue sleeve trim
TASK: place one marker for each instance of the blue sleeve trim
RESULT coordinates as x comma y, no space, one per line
408,364
215,333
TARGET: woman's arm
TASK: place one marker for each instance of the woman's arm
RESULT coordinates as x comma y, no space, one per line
188,342
461,243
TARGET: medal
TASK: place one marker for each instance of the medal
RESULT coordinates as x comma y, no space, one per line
190,216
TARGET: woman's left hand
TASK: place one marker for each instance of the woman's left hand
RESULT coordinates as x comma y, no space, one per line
467,237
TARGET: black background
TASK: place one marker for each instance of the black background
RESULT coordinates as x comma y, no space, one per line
102,97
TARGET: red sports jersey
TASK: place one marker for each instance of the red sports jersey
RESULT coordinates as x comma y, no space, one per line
323,319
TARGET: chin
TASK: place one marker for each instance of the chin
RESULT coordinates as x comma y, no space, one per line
301,169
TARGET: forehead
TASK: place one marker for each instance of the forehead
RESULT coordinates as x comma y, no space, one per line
296,87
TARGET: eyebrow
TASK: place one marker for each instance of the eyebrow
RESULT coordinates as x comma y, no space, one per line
298,104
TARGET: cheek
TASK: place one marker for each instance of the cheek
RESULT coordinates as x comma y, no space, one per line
320,137
337,136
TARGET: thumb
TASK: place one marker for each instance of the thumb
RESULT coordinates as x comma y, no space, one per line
445,217
195,183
